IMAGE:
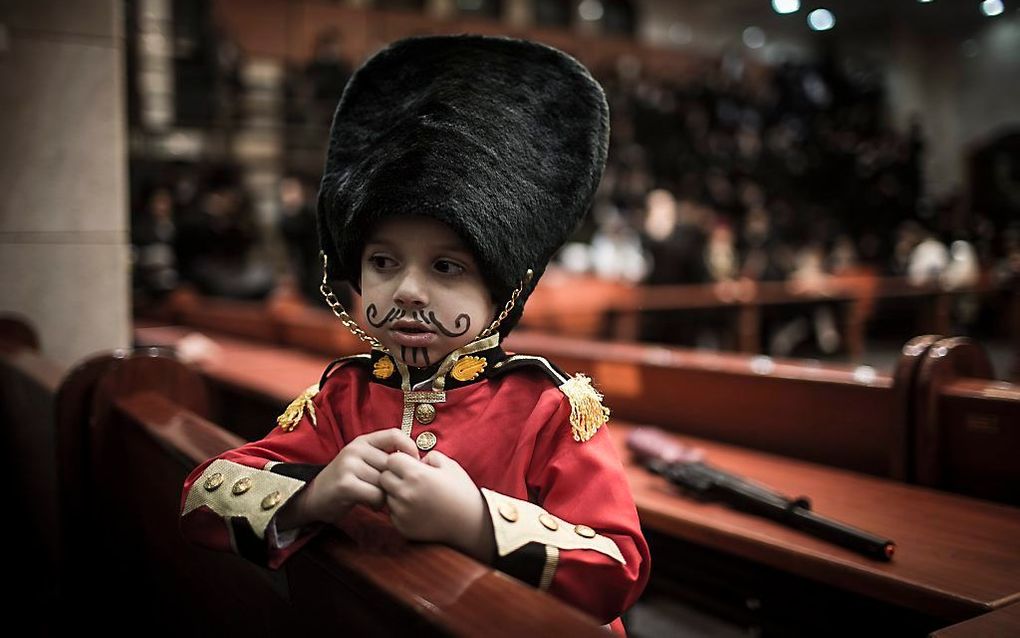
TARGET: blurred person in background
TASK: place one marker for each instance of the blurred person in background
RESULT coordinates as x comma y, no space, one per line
153,235
217,239
928,260
675,243
297,227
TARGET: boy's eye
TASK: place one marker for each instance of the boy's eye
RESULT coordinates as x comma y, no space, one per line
381,262
448,267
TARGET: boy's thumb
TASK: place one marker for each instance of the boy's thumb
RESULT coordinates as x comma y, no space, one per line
435,458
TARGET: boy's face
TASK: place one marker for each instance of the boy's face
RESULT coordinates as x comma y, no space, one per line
424,295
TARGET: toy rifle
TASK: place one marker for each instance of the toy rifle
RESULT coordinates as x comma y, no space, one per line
683,466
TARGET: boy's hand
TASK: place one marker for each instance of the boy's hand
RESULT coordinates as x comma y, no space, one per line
434,499
351,477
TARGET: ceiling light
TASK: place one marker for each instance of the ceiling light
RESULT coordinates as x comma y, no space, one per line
822,19
786,6
991,7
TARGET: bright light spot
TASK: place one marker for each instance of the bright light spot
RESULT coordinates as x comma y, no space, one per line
924,1
762,365
821,20
865,375
991,7
785,6
754,37
680,33
590,10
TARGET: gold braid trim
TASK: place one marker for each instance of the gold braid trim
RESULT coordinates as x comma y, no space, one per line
587,414
296,410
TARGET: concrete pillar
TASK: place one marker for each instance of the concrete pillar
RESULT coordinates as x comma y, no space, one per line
64,250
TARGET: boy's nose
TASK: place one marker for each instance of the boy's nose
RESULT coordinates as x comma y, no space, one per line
412,291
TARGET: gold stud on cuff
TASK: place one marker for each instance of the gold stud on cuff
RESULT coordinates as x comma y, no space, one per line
584,530
508,512
214,481
548,522
272,500
242,485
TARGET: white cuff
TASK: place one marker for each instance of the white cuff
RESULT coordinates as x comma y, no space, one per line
278,539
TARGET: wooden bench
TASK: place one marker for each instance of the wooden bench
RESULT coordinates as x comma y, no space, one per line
967,424
956,557
940,575
17,333
843,416
1002,623
143,445
588,307
28,384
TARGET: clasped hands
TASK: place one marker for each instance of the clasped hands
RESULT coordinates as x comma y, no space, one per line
429,499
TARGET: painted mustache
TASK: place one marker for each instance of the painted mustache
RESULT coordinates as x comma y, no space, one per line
429,318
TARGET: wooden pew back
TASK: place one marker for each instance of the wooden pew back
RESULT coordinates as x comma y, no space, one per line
143,445
967,424
839,416
28,383
16,333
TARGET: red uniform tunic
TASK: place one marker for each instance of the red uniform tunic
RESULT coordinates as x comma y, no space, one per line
509,427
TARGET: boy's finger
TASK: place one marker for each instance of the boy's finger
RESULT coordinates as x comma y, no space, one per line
367,473
401,464
368,494
375,457
389,482
435,458
392,440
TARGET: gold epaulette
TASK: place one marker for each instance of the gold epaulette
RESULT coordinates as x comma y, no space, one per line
587,414
296,410
303,403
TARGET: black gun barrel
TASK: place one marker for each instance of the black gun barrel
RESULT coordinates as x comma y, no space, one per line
711,482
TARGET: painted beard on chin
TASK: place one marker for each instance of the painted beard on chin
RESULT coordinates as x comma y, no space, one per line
413,332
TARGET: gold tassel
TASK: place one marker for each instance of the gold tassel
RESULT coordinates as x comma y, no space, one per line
292,415
587,414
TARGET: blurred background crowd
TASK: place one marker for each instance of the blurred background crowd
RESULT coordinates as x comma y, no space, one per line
785,167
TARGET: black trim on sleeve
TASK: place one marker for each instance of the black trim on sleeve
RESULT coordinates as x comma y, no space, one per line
524,564
300,471
249,546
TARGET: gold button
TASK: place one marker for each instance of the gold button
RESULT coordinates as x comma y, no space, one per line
425,441
508,511
272,500
548,522
242,485
214,481
584,530
426,413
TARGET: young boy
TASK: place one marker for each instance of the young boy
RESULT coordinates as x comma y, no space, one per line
457,166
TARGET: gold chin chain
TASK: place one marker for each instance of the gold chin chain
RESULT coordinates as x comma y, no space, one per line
352,325
509,304
341,314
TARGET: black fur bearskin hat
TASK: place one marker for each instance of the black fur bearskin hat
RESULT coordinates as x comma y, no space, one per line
504,140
